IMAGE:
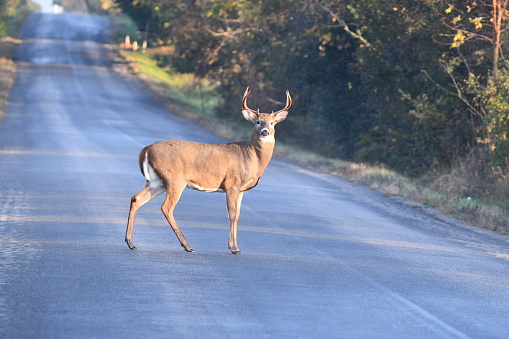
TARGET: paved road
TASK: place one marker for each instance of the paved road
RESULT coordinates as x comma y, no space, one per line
323,257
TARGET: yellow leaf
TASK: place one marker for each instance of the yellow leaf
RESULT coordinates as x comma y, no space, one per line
449,9
459,37
477,22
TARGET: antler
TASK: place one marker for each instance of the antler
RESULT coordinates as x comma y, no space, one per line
244,102
288,102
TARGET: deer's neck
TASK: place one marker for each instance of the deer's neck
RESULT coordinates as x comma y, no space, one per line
262,148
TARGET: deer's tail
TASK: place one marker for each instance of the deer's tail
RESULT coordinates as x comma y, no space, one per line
142,158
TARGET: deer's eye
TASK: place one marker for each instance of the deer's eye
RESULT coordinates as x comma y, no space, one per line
258,122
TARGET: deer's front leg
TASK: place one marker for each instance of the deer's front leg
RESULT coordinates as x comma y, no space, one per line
234,202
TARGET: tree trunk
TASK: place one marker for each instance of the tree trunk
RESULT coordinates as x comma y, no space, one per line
499,13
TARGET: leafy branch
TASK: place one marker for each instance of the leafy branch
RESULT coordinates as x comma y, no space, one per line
341,23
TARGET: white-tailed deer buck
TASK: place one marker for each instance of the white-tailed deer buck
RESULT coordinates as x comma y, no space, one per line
234,168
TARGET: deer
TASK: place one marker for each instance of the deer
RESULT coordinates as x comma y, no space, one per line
232,168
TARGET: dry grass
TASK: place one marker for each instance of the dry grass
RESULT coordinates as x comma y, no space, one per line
450,192
7,72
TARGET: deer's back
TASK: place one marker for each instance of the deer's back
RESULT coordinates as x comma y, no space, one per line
207,166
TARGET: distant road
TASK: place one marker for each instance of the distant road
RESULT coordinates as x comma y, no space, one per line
324,258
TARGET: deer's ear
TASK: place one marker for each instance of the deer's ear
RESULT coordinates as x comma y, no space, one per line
250,115
280,116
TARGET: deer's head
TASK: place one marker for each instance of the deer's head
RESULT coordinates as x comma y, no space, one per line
265,122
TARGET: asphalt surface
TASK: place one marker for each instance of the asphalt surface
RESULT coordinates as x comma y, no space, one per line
324,258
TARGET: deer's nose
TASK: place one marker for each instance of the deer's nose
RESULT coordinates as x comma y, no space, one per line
264,132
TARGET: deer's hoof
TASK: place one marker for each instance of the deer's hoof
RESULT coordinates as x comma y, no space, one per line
130,245
189,250
237,252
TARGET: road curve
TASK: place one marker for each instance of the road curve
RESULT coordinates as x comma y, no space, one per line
324,258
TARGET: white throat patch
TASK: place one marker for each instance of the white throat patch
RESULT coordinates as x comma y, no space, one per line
268,138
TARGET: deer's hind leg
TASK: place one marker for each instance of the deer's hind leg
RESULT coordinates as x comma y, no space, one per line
138,200
173,193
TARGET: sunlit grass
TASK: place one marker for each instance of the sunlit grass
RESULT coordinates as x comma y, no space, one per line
182,94
185,89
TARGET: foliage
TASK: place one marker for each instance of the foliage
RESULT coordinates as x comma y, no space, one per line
13,13
412,84
493,98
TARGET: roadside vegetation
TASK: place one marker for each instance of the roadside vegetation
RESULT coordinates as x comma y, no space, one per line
407,97
12,14
7,72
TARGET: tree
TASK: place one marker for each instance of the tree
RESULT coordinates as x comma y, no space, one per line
372,80
13,13
478,77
